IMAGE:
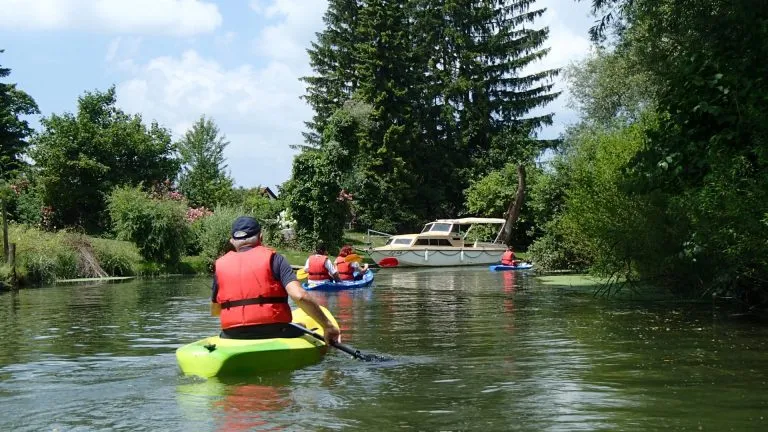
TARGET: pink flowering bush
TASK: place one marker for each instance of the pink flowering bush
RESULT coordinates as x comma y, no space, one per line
193,214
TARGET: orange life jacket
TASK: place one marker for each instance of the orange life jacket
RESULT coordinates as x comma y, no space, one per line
248,292
346,272
317,270
508,258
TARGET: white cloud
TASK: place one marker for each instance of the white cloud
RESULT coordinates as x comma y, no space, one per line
289,37
258,109
168,17
568,23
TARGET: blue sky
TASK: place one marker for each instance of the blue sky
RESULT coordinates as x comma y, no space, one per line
237,61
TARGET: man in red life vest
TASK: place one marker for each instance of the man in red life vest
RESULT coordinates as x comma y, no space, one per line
251,286
349,270
319,267
508,258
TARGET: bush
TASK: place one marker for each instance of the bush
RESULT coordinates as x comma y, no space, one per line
42,257
117,258
157,226
211,233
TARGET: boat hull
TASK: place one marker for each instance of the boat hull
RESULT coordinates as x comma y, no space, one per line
214,356
367,280
499,267
436,257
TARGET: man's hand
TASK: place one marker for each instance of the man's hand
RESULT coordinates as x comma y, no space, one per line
332,334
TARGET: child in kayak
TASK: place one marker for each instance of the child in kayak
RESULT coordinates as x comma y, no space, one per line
319,267
508,258
351,270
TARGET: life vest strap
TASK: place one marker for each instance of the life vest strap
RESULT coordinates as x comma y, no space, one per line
254,301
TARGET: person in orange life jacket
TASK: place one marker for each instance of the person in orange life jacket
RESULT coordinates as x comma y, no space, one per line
349,270
319,267
251,286
508,258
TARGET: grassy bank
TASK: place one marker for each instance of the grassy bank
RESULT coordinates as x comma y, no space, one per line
44,257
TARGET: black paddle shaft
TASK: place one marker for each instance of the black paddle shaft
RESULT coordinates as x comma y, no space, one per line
347,349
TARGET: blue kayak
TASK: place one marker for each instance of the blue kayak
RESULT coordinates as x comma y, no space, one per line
332,286
499,267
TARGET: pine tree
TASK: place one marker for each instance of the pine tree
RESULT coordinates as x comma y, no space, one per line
333,60
203,179
14,130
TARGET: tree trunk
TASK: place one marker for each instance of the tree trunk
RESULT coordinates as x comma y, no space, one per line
513,212
6,254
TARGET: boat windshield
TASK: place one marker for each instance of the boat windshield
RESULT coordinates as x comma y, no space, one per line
440,227
427,227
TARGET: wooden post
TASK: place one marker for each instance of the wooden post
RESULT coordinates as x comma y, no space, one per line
6,254
12,264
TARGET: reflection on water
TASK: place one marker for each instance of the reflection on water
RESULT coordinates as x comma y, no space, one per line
473,350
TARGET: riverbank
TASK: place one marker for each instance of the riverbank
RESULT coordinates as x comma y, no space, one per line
44,258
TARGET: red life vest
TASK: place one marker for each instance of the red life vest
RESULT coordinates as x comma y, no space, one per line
508,258
248,292
317,270
346,272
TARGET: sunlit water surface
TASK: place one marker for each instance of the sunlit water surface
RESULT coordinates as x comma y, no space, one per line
472,350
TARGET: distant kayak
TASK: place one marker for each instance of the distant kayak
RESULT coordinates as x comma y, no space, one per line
214,356
332,286
499,267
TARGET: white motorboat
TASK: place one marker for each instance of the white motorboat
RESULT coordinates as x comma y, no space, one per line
442,243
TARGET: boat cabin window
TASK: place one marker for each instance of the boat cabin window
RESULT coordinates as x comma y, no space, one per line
433,242
427,227
405,241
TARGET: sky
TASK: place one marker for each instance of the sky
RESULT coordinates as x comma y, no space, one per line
237,61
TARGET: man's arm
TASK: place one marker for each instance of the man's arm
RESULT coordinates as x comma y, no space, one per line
310,306
215,307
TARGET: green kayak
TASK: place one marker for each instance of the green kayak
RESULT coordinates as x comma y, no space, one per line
214,356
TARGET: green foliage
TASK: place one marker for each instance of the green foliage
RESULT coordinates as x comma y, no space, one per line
44,257
610,226
609,88
117,258
313,196
82,157
157,226
444,101
203,179
14,129
212,233
255,203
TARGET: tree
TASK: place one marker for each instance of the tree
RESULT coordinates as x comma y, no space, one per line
14,131
333,59
312,195
203,179
82,157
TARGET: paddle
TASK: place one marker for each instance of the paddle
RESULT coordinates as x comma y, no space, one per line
353,257
347,349
301,274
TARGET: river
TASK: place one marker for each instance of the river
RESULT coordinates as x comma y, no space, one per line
472,350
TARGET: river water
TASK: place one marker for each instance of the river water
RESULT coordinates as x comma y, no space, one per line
472,350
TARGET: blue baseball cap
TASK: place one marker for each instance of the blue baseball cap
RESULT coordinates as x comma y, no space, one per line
244,227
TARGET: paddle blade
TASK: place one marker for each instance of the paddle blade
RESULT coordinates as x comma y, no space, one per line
301,274
353,257
389,262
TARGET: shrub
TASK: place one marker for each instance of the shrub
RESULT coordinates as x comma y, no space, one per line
212,233
157,226
117,258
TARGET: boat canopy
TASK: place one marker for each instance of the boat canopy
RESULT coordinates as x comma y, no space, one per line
472,220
